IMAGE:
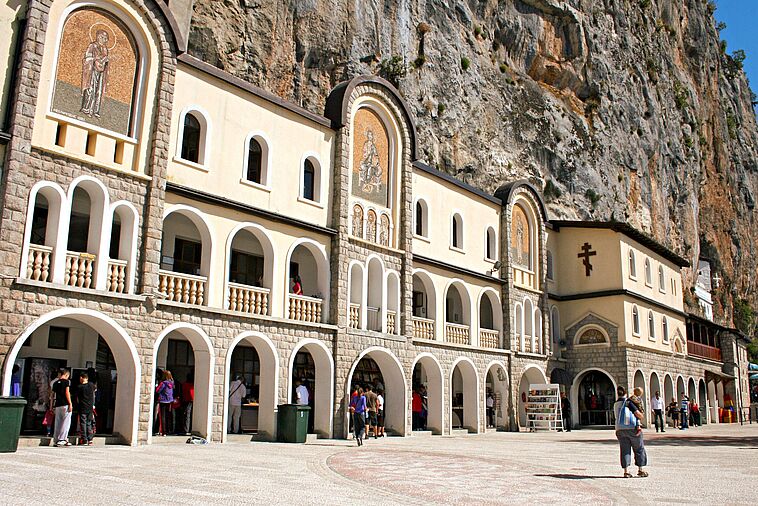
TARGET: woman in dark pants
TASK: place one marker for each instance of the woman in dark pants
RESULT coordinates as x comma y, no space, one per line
629,435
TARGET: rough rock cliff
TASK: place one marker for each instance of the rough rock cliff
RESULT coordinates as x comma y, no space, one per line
618,109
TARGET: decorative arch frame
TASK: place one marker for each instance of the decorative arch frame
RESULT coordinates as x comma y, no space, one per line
129,236
355,264
648,272
266,159
651,329
320,256
632,264
99,228
497,308
322,422
204,229
503,390
392,300
468,405
263,236
421,204
518,324
456,230
436,390
57,202
490,244
591,326
204,148
574,392
430,291
204,372
458,284
636,323
374,295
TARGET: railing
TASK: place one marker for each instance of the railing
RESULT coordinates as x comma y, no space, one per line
423,328
527,346
373,320
38,264
390,322
248,299
489,338
704,351
523,277
182,287
355,316
117,276
305,309
79,269
456,334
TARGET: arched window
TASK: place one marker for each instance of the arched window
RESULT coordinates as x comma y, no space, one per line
456,237
661,279
635,320
555,326
651,324
648,273
490,244
254,167
665,330
311,180
191,138
421,219
550,266
632,265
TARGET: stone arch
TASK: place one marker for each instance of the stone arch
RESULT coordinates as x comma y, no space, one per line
639,382
40,265
497,370
263,237
395,388
532,375
691,389
126,416
681,387
435,390
655,386
205,358
470,391
323,394
269,387
702,399
610,396
608,328
668,388
591,334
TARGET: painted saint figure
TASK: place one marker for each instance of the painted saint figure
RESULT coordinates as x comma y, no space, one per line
370,169
95,74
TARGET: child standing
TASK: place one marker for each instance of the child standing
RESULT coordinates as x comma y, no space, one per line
85,395
636,399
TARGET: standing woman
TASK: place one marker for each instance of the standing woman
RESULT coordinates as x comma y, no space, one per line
165,391
358,408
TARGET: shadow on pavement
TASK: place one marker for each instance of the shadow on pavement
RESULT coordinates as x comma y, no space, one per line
567,476
682,440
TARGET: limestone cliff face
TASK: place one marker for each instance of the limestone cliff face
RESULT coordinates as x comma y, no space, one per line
618,109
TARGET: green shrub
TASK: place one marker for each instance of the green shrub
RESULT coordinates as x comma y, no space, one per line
681,96
419,61
592,196
503,68
477,31
550,191
440,109
393,69
465,63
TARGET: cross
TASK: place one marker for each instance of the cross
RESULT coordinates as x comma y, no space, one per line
716,280
586,254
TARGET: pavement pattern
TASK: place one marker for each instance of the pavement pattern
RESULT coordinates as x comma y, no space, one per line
717,464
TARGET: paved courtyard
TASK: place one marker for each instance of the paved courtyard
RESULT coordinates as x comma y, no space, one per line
708,465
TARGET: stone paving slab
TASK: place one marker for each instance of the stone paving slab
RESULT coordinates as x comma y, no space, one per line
708,465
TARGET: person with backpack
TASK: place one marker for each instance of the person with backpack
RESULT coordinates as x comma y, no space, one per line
358,410
628,434
237,392
165,391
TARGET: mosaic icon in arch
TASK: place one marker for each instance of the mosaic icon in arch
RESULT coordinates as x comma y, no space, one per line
371,155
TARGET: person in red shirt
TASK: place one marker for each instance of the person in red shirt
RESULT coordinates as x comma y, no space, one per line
188,397
417,406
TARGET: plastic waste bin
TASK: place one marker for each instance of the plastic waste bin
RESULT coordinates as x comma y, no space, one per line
292,423
11,413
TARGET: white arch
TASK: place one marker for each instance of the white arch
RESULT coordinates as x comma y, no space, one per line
318,176
268,397
529,321
470,396
205,358
490,243
435,390
497,311
128,239
204,148
392,294
518,324
263,236
501,410
532,374
465,301
124,351
321,258
357,290
421,202
98,232
395,410
376,296
324,383
431,294
205,230
574,396
266,158
56,201
591,326
456,229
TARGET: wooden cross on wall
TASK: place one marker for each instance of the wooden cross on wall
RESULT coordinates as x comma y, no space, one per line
586,254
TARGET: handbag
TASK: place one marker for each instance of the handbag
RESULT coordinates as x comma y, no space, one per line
49,418
176,404
625,418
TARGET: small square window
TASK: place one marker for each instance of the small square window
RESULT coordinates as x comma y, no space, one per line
57,339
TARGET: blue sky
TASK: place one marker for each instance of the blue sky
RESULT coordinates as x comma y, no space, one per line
740,17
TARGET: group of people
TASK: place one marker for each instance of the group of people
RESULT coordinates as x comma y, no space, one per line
174,403
61,408
367,412
683,414
419,408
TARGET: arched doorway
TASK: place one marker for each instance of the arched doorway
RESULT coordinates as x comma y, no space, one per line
312,365
380,368
703,401
375,294
187,352
307,259
639,382
250,270
457,314
713,411
424,306
681,389
464,396
427,372
594,393
531,376
253,357
490,319
496,384
90,337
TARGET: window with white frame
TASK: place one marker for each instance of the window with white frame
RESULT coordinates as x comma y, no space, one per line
661,279
421,219
665,324
310,188
632,265
256,160
651,324
490,244
648,273
635,320
456,234
193,137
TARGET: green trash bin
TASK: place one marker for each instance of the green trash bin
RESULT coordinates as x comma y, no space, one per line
11,413
292,423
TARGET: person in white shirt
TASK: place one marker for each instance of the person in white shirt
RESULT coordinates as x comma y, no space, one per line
658,406
302,394
237,392
490,409
380,413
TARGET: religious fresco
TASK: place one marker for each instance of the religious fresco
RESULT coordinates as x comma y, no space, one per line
371,157
371,225
591,336
95,80
384,230
520,238
358,221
